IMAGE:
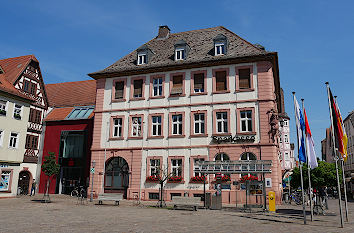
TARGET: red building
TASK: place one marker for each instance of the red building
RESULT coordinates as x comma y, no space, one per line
68,133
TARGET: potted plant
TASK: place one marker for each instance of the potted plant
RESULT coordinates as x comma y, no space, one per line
152,179
198,179
175,179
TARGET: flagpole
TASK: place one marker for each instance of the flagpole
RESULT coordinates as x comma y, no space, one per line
301,178
336,158
344,187
308,167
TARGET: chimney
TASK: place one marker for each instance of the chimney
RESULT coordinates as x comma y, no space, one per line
164,32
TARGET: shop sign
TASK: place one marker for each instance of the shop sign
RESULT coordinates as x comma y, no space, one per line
4,165
234,139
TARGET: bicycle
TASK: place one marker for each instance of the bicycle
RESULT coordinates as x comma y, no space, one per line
79,192
296,197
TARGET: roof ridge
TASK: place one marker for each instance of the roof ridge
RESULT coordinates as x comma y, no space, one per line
195,30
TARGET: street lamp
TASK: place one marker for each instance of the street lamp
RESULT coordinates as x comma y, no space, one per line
93,174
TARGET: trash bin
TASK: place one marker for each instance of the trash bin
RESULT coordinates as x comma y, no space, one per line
216,202
207,200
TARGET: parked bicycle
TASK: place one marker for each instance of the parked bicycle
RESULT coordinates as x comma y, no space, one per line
79,192
296,197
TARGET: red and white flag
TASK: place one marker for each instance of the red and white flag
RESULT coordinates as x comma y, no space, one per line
310,145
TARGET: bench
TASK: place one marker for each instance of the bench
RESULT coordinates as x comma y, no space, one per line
193,202
116,197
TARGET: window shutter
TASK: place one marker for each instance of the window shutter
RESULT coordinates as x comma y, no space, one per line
244,78
177,82
119,90
199,81
138,87
39,117
28,141
221,81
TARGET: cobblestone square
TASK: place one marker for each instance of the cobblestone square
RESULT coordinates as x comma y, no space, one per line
65,214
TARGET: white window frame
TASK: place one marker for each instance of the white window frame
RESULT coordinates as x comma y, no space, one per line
280,138
176,169
4,106
286,156
11,140
117,128
199,122
5,173
17,111
218,49
142,58
154,167
136,127
246,119
223,119
2,133
156,125
157,85
285,122
179,121
286,138
180,54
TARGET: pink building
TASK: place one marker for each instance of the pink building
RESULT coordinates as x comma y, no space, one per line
164,104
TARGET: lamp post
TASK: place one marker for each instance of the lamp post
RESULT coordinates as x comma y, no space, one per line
93,175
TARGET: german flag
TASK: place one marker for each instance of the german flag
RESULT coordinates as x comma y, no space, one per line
337,127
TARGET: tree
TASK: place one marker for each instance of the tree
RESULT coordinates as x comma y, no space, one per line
163,175
50,168
323,175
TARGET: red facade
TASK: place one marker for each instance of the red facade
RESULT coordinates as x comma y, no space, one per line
52,139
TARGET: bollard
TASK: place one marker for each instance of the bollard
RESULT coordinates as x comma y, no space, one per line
271,197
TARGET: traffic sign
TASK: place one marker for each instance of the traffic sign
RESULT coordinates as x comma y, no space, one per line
92,170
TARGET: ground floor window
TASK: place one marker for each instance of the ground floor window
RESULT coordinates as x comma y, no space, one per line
5,181
154,196
175,195
201,195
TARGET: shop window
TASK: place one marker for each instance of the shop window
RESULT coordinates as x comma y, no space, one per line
5,180
244,78
154,196
221,80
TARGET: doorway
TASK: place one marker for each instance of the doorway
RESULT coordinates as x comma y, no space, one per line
116,176
24,181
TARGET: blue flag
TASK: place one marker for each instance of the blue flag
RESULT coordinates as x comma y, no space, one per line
300,126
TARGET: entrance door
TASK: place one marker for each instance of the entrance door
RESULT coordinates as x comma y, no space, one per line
71,177
117,176
23,181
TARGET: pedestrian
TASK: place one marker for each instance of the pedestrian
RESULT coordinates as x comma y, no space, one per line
33,189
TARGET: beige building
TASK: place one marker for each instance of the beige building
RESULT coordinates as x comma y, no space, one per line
14,113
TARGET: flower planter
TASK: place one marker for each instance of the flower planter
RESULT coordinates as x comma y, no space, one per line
175,179
198,179
152,179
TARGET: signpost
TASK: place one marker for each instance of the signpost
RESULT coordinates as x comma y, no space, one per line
92,170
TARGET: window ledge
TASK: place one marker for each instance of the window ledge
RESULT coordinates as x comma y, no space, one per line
244,90
118,100
198,135
155,137
157,97
176,95
221,92
176,136
247,133
221,134
176,182
131,137
116,138
199,93
136,99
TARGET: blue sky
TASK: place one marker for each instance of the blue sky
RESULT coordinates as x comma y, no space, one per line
314,39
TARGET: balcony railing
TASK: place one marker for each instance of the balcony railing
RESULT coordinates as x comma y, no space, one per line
31,156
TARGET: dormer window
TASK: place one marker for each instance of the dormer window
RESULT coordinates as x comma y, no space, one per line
219,49
180,54
220,45
181,50
144,54
142,58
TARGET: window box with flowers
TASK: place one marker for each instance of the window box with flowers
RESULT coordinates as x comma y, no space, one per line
175,179
152,179
248,177
198,179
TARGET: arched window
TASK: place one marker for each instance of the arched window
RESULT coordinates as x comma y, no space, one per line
222,157
116,174
248,156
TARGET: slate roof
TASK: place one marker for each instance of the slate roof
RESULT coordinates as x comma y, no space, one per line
69,94
201,43
14,66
